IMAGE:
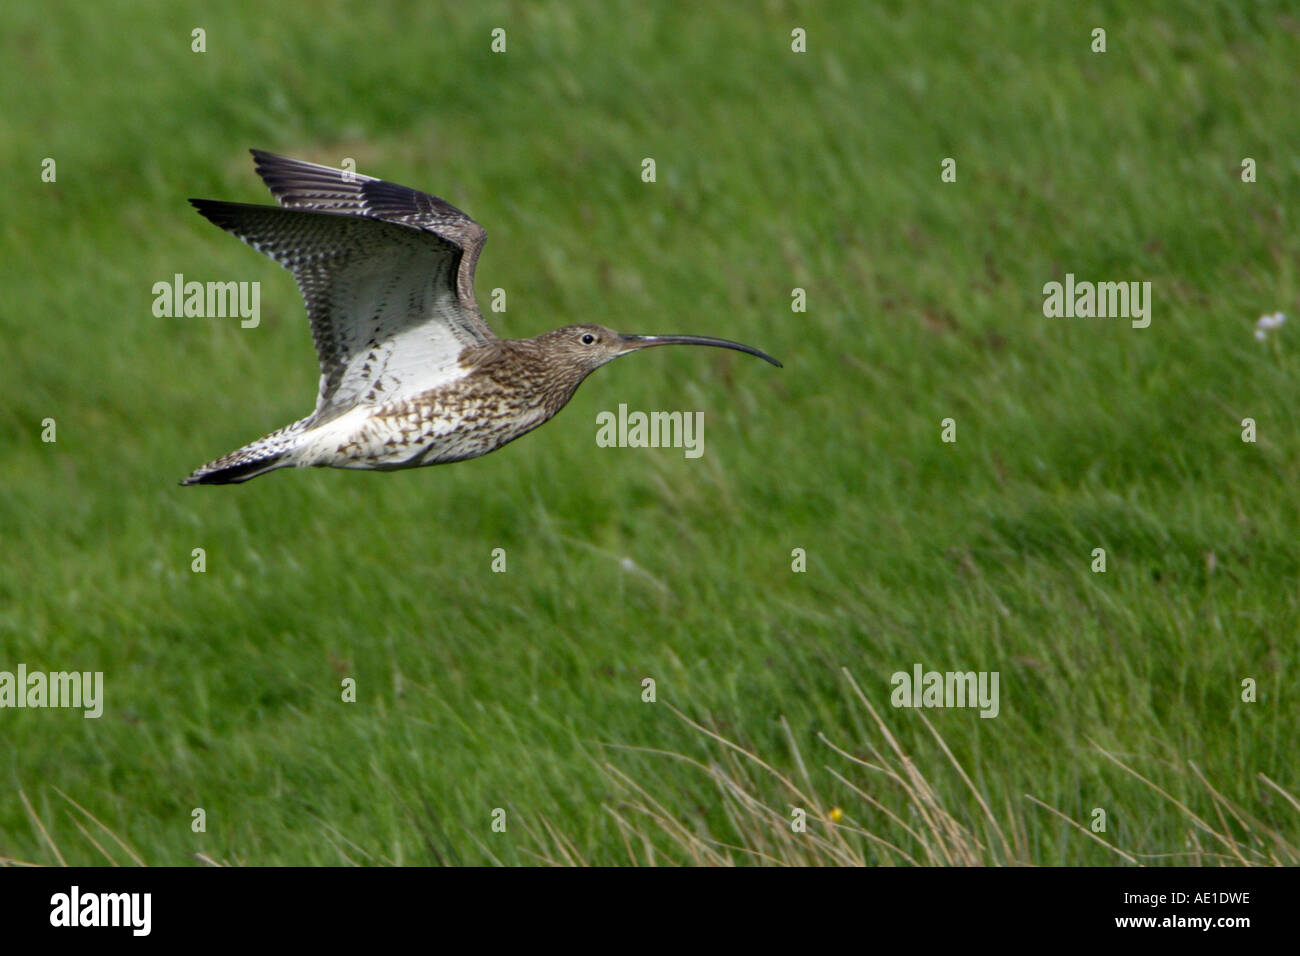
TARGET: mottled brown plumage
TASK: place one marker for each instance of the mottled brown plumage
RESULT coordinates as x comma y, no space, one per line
411,375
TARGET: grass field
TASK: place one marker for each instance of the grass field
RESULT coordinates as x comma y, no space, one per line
522,690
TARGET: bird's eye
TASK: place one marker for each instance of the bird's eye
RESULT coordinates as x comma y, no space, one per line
588,339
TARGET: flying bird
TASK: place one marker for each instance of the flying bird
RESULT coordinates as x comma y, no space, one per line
410,373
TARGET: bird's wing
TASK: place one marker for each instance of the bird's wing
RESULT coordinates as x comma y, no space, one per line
300,185
382,274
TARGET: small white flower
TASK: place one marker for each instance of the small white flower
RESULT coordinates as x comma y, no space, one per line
1267,322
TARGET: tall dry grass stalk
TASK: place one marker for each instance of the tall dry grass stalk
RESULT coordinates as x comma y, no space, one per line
902,818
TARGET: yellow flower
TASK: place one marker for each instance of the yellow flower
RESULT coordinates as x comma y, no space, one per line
836,814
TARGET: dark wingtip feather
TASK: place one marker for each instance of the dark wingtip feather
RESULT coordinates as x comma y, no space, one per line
203,207
213,210
262,159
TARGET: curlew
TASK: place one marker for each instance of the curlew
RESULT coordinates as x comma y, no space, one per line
410,373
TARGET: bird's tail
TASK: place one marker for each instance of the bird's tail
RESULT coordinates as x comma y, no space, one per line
256,458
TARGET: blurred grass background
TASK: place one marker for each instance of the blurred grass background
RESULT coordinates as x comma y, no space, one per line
776,170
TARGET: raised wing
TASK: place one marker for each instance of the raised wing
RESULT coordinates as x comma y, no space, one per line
299,185
382,271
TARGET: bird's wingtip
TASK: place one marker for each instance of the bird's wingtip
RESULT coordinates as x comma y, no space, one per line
264,159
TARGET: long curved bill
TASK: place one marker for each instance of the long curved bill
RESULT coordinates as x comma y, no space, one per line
634,342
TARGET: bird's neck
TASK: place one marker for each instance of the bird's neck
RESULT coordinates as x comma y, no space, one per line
527,369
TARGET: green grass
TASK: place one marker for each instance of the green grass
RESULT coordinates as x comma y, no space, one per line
775,170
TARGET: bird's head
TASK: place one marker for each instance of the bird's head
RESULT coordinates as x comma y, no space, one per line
591,346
